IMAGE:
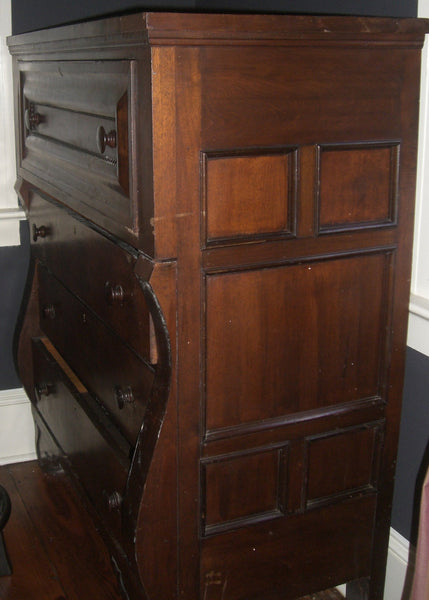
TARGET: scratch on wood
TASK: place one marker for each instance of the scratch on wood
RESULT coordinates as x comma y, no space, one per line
215,586
155,220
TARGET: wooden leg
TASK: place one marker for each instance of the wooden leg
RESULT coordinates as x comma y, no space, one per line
358,589
5,568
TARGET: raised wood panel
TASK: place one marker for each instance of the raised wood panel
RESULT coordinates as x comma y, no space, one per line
249,194
358,186
275,100
342,463
306,336
241,488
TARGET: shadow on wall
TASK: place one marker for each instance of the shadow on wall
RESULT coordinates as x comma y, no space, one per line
420,479
413,451
29,16
13,269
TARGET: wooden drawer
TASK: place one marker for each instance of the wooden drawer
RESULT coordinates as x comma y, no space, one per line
75,137
78,255
112,372
66,408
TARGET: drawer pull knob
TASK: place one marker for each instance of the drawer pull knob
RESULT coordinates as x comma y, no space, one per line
32,118
44,389
114,500
115,294
105,139
40,232
48,311
124,396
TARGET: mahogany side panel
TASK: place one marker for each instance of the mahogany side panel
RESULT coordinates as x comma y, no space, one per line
238,189
358,186
254,324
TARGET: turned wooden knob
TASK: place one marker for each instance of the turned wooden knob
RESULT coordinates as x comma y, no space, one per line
44,389
124,396
32,118
40,232
115,294
105,139
114,500
48,311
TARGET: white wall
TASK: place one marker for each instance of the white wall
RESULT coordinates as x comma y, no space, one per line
16,425
418,326
9,212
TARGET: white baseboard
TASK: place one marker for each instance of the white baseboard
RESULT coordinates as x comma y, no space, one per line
418,324
9,226
400,563
16,427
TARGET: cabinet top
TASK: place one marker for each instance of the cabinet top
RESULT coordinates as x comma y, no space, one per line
163,28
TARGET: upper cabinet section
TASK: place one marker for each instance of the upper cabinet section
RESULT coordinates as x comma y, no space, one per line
75,134
105,106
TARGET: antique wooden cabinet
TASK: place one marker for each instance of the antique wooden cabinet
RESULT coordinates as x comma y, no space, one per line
221,209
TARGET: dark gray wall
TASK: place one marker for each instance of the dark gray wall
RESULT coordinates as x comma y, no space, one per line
413,454
28,15
13,271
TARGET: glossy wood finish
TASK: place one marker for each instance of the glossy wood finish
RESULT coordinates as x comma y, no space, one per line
221,287
238,189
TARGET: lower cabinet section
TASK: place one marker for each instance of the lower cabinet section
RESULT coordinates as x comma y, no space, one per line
263,508
274,517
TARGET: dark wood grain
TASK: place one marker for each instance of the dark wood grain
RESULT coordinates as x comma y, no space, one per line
238,189
65,252
281,302
222,290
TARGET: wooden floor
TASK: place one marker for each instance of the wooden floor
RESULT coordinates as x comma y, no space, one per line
55,550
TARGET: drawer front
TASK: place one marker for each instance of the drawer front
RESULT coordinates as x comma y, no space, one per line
76,137
62,404
112,372
98,271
